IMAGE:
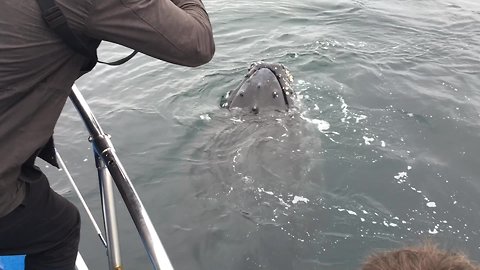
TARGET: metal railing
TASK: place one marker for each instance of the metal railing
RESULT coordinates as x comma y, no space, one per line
110,170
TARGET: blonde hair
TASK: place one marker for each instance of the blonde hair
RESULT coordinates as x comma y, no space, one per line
424,257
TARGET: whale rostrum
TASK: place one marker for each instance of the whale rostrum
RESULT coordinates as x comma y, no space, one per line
267,86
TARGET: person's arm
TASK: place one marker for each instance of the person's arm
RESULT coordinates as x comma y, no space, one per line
177,31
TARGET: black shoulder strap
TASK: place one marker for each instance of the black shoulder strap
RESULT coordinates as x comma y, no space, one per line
56,21
120,61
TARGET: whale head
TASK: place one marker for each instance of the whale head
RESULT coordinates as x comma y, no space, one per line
266,87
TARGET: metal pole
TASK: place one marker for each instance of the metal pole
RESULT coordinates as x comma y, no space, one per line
80,263
104,148
109,214
82,200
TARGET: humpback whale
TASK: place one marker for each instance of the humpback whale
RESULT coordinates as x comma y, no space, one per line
266,87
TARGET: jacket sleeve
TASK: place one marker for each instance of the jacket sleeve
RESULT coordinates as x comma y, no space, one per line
176,31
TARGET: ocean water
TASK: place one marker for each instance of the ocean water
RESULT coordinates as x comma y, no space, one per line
382,150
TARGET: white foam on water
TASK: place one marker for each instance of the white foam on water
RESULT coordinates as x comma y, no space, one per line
351,212
285,202
205,117
297,199
265,191
440,225
322,125
234,161
247,180
345,110
347,114
282,202
368,140
236,120
401,177
431,204
360,117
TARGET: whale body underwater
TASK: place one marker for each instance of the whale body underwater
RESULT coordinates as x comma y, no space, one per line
266,87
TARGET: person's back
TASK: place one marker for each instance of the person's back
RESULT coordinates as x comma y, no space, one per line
37,70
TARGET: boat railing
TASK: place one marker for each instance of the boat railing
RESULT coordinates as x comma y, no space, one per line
111,171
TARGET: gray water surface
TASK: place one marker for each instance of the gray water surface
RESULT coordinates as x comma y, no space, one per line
382,150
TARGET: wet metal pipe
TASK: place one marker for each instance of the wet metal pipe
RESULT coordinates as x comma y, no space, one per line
104,148
109,214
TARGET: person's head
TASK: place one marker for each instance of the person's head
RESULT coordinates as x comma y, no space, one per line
425,257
